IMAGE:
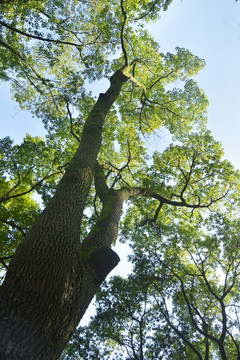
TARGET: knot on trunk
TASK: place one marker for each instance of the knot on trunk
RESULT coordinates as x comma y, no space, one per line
103,260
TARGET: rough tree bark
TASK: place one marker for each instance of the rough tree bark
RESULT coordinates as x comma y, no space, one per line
53,277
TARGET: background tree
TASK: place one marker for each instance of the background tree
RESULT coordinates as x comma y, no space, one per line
181,300
50,51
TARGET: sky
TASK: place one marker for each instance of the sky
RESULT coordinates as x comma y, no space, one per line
210,29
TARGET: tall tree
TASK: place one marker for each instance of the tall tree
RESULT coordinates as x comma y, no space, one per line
50,50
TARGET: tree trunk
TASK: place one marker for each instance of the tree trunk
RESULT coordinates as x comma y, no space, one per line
51,280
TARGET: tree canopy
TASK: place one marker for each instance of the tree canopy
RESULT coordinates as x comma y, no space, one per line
181,300
62,196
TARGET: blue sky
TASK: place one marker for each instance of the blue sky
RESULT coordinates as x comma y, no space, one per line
210,29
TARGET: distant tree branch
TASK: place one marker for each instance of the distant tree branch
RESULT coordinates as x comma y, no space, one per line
71,121
7,196
236,343
4,44
147,12
36,36
39,77
12,224
163,77
2,260
175,328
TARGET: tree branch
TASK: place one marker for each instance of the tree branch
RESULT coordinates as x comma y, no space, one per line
8,197
176,330
12,224
183,203
147,12
71,121
3,262
122,35
37,37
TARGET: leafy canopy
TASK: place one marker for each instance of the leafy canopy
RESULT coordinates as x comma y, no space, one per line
181,299
51,51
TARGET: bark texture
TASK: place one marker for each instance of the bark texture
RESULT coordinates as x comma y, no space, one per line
53,277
